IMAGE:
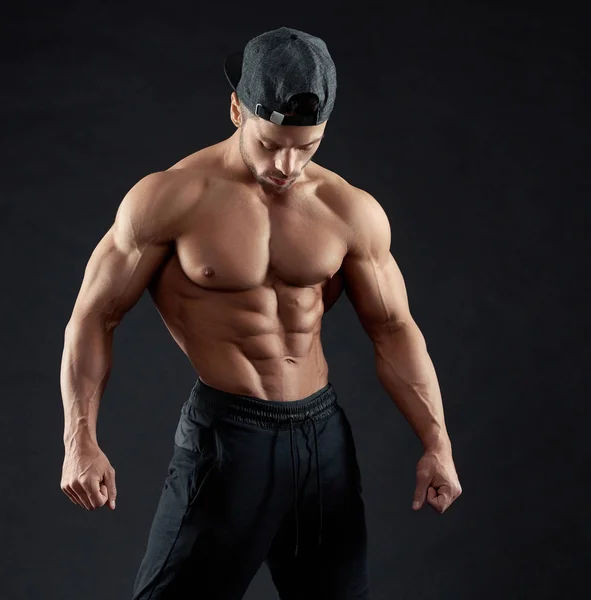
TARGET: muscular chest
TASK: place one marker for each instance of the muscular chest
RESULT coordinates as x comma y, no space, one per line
237,244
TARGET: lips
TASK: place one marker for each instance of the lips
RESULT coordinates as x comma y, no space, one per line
279,181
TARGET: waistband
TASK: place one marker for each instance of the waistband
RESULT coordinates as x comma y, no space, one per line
263,413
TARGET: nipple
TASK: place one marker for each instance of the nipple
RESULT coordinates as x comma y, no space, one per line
208,272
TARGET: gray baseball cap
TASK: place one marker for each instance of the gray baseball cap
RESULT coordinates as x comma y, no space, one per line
278,64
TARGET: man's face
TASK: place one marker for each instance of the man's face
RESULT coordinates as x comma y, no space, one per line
278,151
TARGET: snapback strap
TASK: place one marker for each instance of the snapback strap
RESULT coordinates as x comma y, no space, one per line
281,119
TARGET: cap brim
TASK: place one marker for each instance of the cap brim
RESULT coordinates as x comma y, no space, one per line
233,68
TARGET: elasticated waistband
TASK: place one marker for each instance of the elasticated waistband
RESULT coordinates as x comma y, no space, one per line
263,413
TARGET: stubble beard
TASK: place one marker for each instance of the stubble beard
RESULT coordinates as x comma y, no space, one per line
263,182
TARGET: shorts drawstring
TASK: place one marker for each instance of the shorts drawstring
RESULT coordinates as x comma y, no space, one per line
295,484
295,481
318,475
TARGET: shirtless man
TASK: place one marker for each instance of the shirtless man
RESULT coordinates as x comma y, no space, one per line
242,267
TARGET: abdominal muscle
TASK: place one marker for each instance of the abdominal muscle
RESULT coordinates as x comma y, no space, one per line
262,342
229,368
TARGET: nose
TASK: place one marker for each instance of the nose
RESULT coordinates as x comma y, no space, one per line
285,163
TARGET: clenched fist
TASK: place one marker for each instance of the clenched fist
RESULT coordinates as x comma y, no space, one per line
88,478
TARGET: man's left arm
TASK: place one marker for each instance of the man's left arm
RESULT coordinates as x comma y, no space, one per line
374,284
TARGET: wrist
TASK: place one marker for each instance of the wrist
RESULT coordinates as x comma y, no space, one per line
437,441
81,437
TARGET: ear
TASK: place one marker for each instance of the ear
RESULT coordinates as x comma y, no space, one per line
235,114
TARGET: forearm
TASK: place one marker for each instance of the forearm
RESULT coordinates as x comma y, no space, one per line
406,371
85,368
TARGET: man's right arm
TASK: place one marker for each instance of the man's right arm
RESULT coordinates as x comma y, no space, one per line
118,271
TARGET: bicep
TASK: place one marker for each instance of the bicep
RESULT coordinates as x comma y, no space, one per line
375,286
373,280
115,278
124,261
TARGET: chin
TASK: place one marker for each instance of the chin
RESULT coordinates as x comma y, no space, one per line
268,185
274,189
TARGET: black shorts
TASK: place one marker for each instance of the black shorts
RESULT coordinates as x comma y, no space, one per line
256,481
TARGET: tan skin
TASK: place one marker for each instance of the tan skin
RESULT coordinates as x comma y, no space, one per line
241,271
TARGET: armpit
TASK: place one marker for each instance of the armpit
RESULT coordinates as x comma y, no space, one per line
332,290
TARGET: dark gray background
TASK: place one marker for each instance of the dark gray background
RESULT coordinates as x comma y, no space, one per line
469,122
